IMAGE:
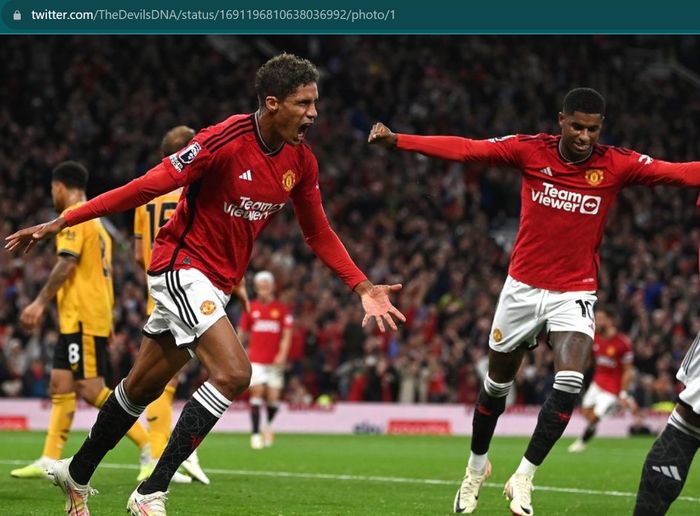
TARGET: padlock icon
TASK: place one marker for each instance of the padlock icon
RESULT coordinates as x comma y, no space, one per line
17,16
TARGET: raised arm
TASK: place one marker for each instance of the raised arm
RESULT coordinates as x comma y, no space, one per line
648,171
155,182
454,148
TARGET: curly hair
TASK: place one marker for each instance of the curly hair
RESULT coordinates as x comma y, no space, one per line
282,75
72,174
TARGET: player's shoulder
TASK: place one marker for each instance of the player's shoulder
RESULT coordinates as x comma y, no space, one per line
301,152
539,140
306,156
536,139
613,151
215,137
531,143
306,149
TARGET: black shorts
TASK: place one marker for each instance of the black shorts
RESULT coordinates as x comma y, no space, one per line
84,355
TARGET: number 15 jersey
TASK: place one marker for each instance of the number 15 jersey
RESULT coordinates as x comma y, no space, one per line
148,219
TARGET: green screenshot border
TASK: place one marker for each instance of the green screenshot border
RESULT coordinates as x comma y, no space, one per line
348,17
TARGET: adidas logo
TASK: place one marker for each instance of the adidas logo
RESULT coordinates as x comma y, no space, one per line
246,176
669,471
547,171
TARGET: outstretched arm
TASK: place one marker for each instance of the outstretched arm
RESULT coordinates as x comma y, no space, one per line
327,246
650,172
141,190
454,148
306,198
444,147
27,237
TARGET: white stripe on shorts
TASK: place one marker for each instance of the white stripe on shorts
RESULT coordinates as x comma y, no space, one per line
179,297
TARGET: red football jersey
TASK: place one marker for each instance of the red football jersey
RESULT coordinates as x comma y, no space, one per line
234,184
564,205
610,355
264,324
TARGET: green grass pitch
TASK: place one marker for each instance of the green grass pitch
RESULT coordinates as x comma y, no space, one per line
350,475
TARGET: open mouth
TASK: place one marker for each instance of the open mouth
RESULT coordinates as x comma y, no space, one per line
302,130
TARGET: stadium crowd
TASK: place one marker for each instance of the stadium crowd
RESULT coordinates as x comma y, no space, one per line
442,229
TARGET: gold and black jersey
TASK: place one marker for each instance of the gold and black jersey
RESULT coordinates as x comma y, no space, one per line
148,219
86,298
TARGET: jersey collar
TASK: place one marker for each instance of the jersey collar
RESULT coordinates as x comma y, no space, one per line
577,162
258,136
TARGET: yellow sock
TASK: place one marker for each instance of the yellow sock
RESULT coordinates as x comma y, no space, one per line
136,433
160,419
60,421
102,397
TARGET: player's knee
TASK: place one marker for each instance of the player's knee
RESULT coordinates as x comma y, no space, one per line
55,388
86,393
60,383
232,380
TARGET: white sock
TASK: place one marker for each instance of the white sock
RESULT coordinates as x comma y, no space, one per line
477,462
526,467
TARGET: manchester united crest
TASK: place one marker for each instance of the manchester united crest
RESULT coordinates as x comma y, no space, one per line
207,307
274,313
594,176
497,335
289,179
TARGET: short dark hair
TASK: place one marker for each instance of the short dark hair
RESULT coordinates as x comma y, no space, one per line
584,100
176,139
282,75
72,174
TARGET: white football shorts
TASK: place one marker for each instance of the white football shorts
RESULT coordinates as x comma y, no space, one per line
523,311
603,402
186,305
689,374
267,374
